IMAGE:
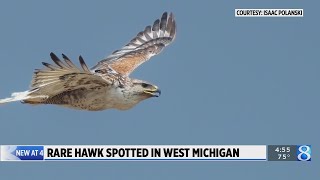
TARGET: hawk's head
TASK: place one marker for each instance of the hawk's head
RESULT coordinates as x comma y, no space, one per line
143,90
131,94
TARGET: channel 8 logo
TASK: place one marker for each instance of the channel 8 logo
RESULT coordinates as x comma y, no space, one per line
304,153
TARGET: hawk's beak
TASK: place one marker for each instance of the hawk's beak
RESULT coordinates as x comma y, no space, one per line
156,92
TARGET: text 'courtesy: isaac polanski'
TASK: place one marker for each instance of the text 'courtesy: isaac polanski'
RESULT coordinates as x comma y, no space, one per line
268,12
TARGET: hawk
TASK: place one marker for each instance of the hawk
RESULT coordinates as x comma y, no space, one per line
106,85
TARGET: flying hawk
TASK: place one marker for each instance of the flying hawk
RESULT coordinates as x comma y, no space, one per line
106,85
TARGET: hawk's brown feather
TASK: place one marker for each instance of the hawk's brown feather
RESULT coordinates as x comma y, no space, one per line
63,77
146,44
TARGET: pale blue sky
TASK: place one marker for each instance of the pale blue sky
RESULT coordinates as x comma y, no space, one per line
224,80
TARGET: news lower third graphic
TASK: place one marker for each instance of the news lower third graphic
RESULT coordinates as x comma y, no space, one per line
289,153
155,153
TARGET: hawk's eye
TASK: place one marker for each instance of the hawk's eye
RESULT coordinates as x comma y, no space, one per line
144,85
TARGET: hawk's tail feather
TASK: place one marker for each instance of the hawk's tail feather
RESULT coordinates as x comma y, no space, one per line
19,96
16,96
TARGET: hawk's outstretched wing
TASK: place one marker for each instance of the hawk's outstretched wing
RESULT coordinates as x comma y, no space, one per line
64,77
146,44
